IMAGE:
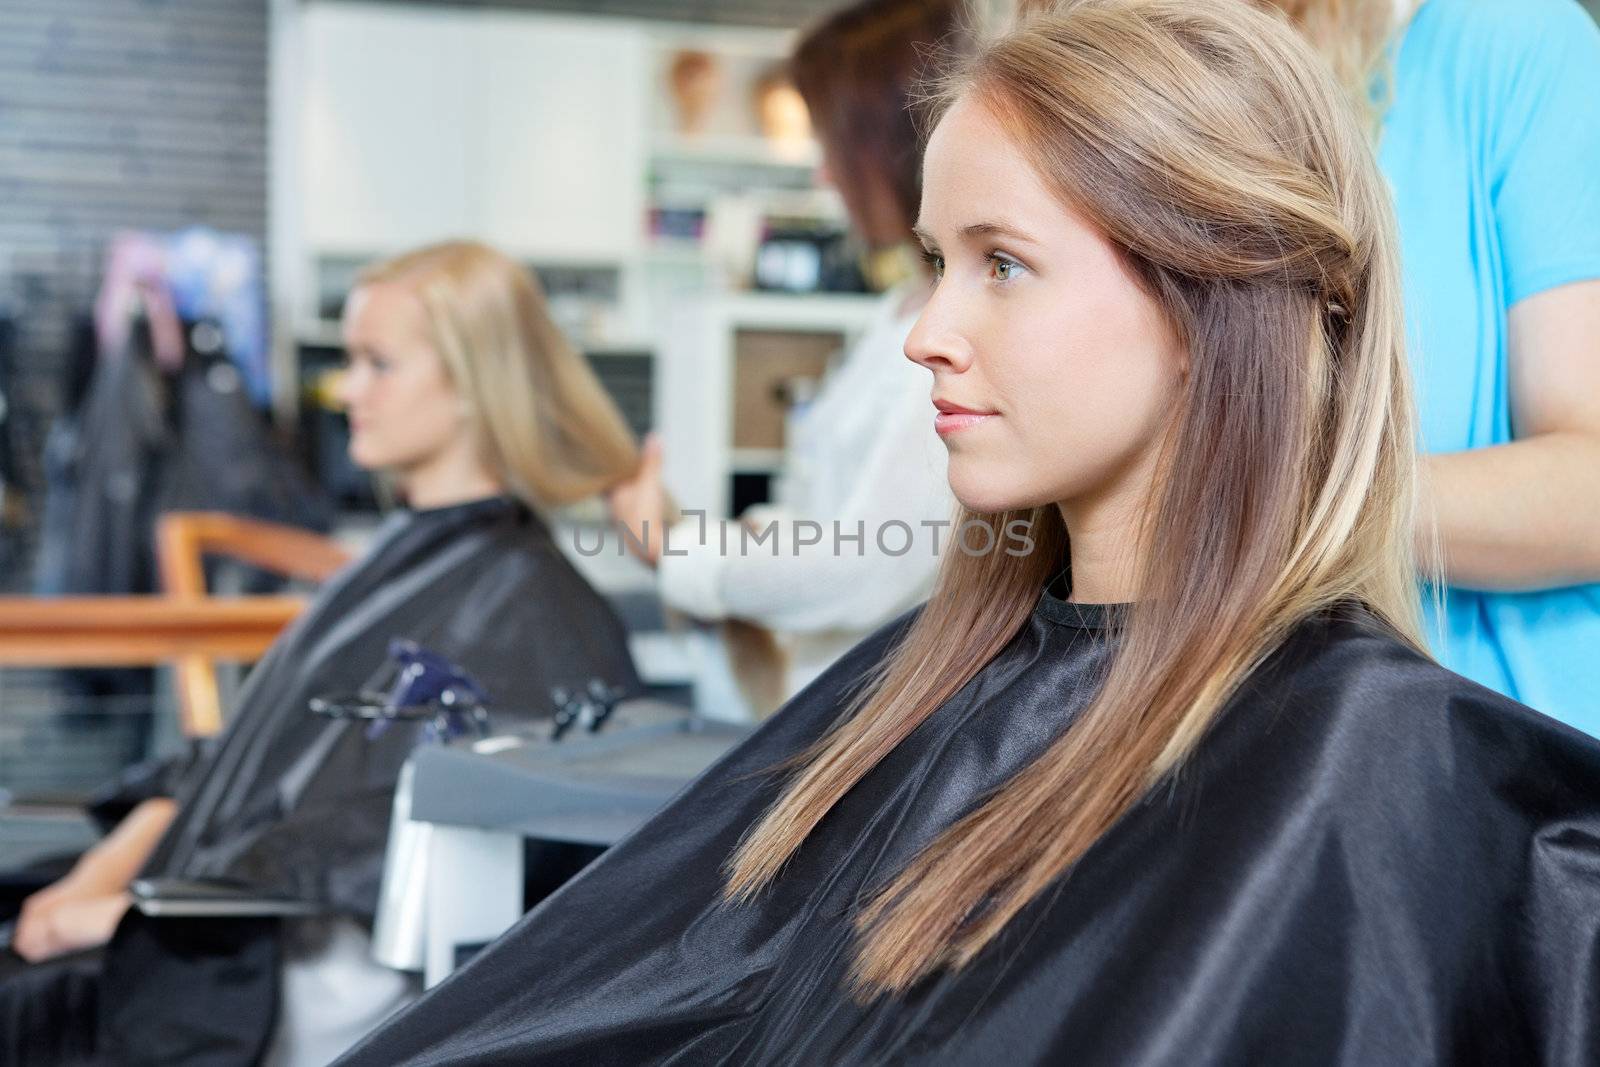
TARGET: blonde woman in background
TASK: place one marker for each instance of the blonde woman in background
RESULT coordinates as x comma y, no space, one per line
461,387
1179,786
1488,113
862,457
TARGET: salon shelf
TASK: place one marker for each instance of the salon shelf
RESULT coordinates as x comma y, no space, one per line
734,151
756,460
696,364
689,251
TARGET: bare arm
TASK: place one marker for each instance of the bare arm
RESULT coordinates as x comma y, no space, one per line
115,860
1526,515
83,908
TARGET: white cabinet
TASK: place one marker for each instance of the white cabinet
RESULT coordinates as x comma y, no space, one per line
560,147
420,123
385,98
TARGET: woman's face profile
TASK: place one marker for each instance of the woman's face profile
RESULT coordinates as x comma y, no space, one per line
1054,372
404,412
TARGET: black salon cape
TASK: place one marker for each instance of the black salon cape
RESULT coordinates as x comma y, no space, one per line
295,804
1368,861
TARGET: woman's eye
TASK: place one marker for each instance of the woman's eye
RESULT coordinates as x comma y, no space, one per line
935,263
1002,269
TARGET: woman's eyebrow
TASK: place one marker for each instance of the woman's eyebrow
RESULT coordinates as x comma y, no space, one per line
989,228
986,228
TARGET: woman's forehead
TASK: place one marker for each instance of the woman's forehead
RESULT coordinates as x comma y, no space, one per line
978,181
382,309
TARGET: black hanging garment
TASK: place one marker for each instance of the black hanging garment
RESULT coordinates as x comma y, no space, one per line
144,441
121,438
224,456
1368,861
295,804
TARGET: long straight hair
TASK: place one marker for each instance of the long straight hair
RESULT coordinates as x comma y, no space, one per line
544,425
1204,140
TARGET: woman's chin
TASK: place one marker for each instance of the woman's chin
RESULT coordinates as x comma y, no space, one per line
366,457
985,496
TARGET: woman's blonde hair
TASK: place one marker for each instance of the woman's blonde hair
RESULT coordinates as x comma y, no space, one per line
1353,36
545,426
1205,140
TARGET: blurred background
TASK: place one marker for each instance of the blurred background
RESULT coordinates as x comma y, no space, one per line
228,165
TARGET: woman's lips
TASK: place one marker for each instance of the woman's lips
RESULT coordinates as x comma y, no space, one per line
953,418
944,425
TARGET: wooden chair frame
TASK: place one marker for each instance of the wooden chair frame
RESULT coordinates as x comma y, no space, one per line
183,540
184,626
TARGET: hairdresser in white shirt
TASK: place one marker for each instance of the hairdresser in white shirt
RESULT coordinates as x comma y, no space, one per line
863,456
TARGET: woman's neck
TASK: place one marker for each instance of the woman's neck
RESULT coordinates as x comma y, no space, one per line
448,480
1103,570
1104,532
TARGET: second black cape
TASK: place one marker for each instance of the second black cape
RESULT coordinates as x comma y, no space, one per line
1368,861
298,805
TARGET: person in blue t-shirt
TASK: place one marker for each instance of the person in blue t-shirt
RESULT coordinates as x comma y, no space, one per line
1489,126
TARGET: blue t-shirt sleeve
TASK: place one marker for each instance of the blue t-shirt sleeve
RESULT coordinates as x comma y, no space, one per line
1544,103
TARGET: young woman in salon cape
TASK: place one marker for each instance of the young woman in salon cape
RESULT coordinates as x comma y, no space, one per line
1180,785
460,384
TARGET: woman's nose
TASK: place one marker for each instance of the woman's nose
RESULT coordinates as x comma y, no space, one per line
935,343
347,386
